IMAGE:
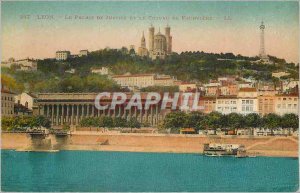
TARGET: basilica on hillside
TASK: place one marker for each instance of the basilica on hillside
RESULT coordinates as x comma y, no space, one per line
160,45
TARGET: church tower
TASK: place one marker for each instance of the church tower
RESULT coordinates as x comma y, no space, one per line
151,39
142,51
143,41
168,39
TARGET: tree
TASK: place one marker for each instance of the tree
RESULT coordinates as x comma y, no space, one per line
66,127
234,120
252,120
108,122
271,121
213,120
120,122
133,123
41,121
194,119
174,120
290,121
7,123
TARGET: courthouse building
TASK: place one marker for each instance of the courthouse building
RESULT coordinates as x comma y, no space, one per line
71,108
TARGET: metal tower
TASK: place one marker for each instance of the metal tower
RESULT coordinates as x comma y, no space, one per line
262,53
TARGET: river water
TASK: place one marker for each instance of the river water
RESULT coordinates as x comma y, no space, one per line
139,172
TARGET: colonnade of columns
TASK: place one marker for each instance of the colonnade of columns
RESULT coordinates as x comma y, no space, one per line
72,114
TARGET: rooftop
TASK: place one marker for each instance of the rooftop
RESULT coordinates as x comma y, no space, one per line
247,90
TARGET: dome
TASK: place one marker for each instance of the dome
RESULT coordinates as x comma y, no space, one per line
159,36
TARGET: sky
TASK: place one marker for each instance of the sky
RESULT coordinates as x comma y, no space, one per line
219,26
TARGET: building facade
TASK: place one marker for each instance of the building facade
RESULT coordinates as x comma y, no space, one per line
7,103
288,103
71,108
160,45
101,70
134,81
62,55
138,81
25,99
83,53
266,104
227,104
208,103
247,101
22,65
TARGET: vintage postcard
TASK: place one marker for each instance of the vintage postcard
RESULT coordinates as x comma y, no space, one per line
149,96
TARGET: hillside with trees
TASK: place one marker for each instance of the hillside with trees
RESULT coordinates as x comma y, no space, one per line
186,66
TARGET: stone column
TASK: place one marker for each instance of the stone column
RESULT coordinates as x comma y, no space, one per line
52,114
124,112
151,116
72,114
48,111
93,111
67,118
77,114
45,110
62,114
119,111
141,115
82,111
57,114
135,112
146,115
156,111
88,110
114,112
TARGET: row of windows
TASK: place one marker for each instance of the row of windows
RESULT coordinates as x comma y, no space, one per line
289,106
226,102
7,98
7,104
270,100
247,101
295,99
227,108
9,112
247,108
209,102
